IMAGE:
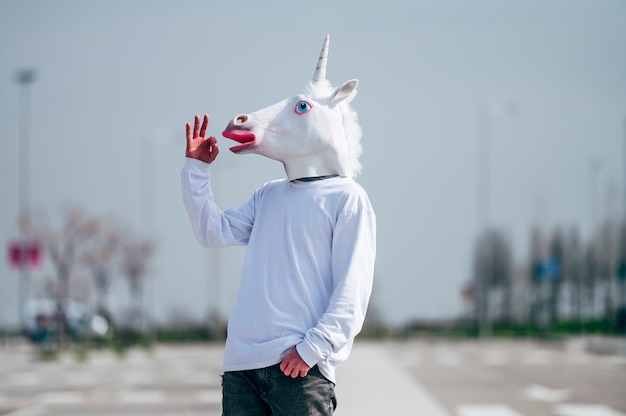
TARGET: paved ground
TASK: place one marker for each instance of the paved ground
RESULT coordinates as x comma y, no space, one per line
500,378
478,378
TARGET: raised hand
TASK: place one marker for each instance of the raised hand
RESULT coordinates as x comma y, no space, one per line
198,145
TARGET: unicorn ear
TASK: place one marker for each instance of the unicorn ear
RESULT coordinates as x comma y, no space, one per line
346,90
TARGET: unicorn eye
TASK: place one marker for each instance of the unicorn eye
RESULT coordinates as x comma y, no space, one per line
303,107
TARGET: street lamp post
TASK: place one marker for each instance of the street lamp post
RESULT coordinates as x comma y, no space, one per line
24,77
484,192
484,202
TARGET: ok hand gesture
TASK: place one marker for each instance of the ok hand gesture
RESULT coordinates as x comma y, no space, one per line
198,145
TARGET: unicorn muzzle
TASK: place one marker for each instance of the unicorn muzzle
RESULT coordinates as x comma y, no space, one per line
239,132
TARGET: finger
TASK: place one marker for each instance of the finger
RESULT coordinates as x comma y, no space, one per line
188,128
289,367
299,372
196,125
285,363
205,123
213,149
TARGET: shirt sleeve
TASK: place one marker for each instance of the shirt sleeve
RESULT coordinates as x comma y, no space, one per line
211,226
353,256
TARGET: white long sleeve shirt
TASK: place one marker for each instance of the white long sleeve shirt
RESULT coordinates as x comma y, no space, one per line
308,270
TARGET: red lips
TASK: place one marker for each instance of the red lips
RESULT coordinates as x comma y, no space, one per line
247,138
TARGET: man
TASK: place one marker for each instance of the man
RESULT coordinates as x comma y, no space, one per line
311,242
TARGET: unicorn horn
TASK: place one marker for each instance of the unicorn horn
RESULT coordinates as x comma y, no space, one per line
320,69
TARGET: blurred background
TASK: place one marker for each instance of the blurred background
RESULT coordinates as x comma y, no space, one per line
494,156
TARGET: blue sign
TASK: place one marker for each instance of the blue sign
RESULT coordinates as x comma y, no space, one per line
548,269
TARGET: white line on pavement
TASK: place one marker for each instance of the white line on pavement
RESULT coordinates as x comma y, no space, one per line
371,382
585,410
485,410
541,393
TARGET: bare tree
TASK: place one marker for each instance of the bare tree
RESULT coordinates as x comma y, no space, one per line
99,257
135,255
63,245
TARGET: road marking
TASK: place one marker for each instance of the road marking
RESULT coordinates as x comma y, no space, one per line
405,393
545,394
485,410
585,410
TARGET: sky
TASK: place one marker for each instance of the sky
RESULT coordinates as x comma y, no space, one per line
117,81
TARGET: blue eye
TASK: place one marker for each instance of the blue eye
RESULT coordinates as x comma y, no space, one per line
303,107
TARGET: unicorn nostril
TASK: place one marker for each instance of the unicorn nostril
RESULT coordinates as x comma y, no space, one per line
241,119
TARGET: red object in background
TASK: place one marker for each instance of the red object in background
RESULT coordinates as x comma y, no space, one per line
25,254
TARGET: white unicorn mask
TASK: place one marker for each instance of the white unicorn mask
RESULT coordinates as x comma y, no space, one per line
312,134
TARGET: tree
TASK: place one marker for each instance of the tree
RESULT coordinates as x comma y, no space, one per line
99,257
135,255
63,245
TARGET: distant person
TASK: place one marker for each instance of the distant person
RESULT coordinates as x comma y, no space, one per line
308,271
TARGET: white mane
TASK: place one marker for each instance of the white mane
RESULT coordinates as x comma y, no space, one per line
320,91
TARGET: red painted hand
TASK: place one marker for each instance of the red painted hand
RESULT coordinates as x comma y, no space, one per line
198,145
293,365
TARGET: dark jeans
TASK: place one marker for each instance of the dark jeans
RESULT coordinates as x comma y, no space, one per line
267,391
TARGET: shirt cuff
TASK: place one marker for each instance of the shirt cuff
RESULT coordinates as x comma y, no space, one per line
196,165
307,354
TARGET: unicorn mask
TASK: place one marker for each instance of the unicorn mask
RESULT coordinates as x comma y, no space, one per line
313,134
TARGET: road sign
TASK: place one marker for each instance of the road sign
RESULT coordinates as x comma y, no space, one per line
548,269
25,254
